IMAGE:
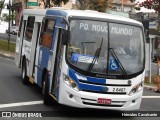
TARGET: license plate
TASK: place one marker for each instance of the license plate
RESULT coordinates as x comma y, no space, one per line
104,101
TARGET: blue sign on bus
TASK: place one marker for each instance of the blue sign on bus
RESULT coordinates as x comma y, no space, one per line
113,65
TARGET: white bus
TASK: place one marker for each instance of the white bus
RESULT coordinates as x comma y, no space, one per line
83,59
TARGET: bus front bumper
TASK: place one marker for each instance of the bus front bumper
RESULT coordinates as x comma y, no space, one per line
81,99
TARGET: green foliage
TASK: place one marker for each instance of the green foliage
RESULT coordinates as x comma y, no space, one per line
58,2
132,0
98,5
1,6
153,80
55,2
5,17
4,46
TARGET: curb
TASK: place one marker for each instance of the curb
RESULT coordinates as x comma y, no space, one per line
150,87
6,55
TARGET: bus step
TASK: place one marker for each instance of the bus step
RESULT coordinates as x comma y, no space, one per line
33,74
52,96
31,80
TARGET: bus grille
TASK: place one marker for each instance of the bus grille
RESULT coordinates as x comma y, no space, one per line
85,89
92,83
117,93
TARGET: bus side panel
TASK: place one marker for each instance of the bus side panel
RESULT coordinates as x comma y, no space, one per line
60,23
44,55
45,59
18,54
19,45
26,51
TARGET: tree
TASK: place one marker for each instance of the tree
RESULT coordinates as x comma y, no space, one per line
1,5
98,5
51,3
152,4
59,2
5,17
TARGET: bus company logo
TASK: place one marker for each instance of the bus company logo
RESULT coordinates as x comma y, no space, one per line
105,89
6,114
105,76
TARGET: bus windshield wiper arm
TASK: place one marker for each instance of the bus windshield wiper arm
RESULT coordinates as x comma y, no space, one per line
120,64
96,57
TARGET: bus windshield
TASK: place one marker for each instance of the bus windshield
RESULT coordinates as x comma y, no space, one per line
105,48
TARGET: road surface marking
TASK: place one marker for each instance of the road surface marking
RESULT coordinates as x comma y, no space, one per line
21,104
150,96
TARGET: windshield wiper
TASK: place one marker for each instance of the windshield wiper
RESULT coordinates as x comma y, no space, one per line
96,57
118,61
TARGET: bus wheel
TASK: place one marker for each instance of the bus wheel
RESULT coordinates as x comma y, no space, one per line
46,97
24,73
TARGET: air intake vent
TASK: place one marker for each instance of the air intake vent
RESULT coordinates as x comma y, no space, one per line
117,93
92,83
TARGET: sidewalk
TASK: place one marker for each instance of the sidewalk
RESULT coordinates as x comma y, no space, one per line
7,54
150,87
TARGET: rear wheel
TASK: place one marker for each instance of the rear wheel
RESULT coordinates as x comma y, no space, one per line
45,90
24,73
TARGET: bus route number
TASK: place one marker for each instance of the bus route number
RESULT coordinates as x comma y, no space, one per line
119,89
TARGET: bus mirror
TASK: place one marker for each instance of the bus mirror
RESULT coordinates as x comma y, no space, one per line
65,37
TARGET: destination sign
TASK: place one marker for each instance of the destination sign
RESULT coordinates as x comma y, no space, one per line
121,30
95,27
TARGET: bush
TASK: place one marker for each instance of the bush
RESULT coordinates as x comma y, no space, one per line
4,46
153,79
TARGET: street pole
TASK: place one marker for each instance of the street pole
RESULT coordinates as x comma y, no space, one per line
9,23
150,61
48,4
122,6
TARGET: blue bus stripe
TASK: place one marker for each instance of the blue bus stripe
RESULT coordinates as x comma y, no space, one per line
90,87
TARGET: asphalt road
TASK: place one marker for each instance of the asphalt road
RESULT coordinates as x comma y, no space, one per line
4,36
15,96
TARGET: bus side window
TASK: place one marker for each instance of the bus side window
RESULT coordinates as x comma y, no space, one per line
47,33
20,26
29,28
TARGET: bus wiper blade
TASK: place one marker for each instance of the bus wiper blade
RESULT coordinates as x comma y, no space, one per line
96,57
120,64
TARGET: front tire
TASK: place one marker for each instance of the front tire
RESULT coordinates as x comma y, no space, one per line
45,91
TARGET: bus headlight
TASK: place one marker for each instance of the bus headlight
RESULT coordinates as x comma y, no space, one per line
136,89
71,83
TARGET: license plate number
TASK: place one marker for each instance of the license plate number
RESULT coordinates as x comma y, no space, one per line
104,101
119,89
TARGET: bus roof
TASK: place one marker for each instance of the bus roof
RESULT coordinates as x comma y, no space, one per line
78,13
40,12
